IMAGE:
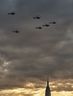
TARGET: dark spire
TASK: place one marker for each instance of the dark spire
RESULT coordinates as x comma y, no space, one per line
47,83
47,91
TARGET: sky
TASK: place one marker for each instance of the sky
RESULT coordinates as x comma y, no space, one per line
28,58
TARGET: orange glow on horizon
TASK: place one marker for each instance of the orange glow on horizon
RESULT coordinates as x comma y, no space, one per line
32,92
30,85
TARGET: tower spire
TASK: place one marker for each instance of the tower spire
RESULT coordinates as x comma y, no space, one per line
47,91
48,82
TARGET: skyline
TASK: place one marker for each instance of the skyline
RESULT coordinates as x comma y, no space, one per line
31,90
32,55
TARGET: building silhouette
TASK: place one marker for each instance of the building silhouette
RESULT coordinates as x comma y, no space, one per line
47,91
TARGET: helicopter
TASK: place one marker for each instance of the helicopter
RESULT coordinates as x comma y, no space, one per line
36,17
11,13
38,27
46,25
15,31
53,22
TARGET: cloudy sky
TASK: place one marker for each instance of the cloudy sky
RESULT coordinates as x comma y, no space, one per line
32,55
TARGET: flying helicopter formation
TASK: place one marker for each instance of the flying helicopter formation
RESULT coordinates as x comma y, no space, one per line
44,25
13,13
37,18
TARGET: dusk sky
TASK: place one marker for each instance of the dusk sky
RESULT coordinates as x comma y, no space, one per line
28,58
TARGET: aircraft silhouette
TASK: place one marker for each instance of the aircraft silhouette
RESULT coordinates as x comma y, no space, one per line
52,22
15,31
36,17
38,27
46,25
11,13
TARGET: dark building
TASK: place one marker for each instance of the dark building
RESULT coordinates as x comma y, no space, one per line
47,91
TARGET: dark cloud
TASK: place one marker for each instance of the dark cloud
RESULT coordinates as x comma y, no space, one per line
33,54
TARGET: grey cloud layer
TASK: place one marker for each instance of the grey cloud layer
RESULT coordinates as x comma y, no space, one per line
33,53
